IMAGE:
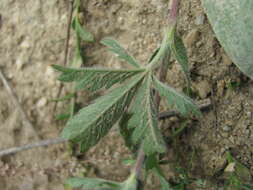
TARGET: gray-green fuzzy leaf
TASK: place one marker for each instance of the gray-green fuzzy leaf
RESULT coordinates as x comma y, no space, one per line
81,31
116,48
93,78
127,132
130,184
182,103
92,183
232,22
94,121
179,51
144,121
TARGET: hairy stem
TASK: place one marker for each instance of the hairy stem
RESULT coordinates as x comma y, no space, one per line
173,12
164,54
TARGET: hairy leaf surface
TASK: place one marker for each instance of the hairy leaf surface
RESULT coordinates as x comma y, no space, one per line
179,51
81,31
116,48
127,132
232,22
93,78
182,103
144,120
130,184
94,121
93,183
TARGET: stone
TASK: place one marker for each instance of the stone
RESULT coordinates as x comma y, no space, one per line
191,38
200,19
230,168
203,89
226,128
226,60
19,63
42,102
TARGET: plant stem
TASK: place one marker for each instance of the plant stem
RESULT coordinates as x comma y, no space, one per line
162,77
162,53
173,12
66,51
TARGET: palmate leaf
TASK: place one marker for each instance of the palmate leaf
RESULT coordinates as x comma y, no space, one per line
179,51
144,121
93,78
182,103
115,47
94,121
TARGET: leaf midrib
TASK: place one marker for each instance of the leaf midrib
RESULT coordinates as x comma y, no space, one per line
111,105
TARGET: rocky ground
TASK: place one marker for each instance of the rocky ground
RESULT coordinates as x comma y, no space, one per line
32,35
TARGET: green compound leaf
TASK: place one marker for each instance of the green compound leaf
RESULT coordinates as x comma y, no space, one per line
182,103
94,121
93,183
93,78
232,22
116,48
145,122
179,51
81,31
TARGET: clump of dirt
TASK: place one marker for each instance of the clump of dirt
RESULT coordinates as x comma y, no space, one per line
32,38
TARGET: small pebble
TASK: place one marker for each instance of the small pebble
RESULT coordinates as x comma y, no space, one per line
120,20
191,38
19,63
226,128
203,88
144,21
249,114
25,45
226,60
230,167
200,19
42,102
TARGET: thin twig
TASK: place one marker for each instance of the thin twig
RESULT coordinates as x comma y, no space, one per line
162,115
203,105
66,51
17,104
30,146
